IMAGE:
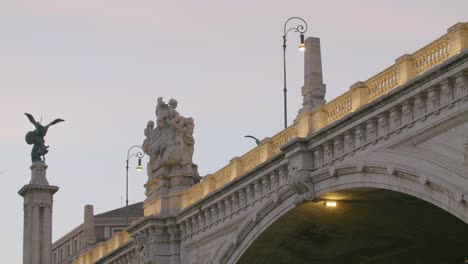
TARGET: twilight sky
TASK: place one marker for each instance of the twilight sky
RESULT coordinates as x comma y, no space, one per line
101,64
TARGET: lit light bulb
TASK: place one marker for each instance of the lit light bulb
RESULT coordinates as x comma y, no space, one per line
139,167
302,45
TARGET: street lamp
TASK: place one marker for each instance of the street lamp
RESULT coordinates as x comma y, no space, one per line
301,29
139,155
257,141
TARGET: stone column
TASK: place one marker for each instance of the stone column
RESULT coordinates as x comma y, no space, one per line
313,91
88,227
38,204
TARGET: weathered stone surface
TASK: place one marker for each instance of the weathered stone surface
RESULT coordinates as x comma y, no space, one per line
170,169
170,144
38,204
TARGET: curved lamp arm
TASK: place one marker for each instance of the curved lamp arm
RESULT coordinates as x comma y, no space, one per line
301,28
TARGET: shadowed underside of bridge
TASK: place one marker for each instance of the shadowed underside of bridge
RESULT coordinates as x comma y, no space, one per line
368,226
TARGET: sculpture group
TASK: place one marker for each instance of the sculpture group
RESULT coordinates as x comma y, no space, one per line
170,144
36,138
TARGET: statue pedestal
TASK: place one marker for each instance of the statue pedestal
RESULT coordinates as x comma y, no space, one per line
38,203
38,173
164,192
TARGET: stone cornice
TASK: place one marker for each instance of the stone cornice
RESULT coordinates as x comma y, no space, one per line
34,187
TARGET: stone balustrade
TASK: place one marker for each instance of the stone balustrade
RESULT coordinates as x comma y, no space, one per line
238,166
423,104
258,190
104,248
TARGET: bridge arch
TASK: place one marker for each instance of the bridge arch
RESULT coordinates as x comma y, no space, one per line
376,174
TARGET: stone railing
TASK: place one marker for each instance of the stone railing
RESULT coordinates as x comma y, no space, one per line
104,248
433,54
409,113
282,138
339,107
383,82
238,166
263,189
405,68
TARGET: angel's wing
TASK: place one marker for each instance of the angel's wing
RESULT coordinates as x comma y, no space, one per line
58,120
31,118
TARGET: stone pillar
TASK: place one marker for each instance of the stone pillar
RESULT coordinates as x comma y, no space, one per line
313,91
458,38
88,227
38,204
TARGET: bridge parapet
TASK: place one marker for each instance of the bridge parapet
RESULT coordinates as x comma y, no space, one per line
268,148
104,248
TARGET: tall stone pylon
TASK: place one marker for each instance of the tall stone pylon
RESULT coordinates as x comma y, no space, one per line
38,204
314,90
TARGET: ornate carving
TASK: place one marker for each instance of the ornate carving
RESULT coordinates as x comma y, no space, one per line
201,220
265,185
214,213
318,157
283,174
339,147
407,113
249,193
207,213
420,101
302,185
257,191
195,223
142,247
395,117
221,212
433,97
234,202
328,148
383,124
361,136
371,130
36,138
170,144
274,180
349,140
242,198
190,228
174,233
183,229
447,91
461,85
227,207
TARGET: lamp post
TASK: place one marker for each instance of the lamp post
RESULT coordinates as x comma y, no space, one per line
301,29
139,155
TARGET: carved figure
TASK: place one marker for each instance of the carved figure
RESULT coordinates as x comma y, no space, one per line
36,138
170,144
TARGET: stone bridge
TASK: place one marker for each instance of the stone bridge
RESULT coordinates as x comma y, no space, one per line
396,143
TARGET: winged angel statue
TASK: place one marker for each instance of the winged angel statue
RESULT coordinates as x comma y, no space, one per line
36,138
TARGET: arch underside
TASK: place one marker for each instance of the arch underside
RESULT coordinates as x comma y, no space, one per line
368,226
403,211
